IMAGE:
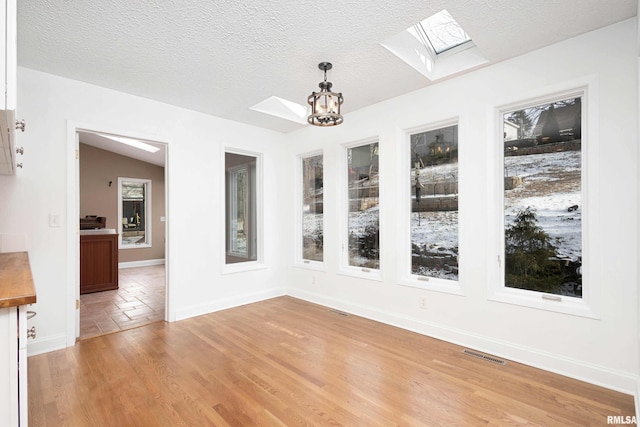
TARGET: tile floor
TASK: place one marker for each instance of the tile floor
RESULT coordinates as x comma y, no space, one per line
138,301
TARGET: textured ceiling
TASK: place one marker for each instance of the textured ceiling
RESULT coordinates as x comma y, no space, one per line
222,57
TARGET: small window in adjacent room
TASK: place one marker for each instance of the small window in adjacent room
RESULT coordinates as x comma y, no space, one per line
543,202
363,229
433,163
312,208
241,208
134,211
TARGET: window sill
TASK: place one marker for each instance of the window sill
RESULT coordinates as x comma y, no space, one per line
310,265
538,300
433,284
362,273
240,267
140,246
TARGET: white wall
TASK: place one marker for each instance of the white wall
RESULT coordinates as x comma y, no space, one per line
51,106
603,351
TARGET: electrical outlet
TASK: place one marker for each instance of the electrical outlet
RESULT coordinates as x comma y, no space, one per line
313,280
423,303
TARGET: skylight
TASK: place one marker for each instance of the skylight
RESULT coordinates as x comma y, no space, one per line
436,47
132,143
283,108
441,31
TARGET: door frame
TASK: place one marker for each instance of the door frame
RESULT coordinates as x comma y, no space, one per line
73,214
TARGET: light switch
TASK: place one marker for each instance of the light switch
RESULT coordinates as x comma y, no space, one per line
54,220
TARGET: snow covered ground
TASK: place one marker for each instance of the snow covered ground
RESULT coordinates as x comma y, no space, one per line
551,186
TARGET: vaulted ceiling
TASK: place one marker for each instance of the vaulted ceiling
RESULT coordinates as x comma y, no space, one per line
222,57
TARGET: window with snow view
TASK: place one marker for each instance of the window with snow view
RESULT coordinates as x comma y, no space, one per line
434,203
312,208
543,197
363,210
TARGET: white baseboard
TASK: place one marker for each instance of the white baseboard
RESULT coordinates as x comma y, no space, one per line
225,303
599,375
142,263
45,345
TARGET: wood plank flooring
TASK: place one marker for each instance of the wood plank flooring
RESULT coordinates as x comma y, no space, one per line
287,362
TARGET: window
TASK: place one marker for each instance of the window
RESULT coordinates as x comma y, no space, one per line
312,208
436,47
440,32
134,210
543,203
241,208
363,222
433,168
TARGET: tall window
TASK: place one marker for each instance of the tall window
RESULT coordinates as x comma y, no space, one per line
241,217
434,203
543,197
312,208
364,214
134,211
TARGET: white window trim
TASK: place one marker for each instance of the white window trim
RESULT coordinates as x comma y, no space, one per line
588,305
343,207
299,261
259,262
147,209
406,278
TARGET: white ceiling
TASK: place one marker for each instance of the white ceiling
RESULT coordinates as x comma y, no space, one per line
222,57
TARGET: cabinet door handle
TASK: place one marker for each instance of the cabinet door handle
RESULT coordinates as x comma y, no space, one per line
31,332
31,314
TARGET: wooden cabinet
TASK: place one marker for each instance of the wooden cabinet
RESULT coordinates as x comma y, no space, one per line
8,71
16,292
98,262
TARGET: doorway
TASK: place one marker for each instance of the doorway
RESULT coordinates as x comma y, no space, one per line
107,165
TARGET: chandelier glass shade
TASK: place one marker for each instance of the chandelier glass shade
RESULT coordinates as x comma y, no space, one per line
325,105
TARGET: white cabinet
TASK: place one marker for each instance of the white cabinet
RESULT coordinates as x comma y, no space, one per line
8,72
9,56
17,291
13,366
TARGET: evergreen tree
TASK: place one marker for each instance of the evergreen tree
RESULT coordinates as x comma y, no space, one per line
529,256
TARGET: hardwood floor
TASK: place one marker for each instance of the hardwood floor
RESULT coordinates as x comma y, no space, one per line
286,362
139,300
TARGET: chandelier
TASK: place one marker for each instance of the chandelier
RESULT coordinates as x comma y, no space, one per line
325,105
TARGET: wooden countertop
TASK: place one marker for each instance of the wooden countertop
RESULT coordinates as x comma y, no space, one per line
16,282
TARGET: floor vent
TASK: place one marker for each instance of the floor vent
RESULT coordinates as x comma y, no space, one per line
341,313
484,356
